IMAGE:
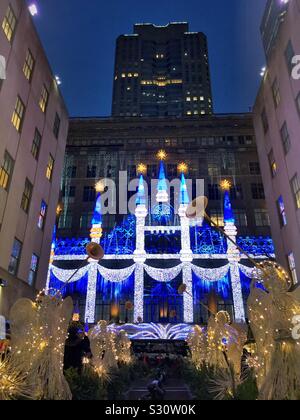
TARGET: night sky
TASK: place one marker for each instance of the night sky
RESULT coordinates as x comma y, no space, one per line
79,39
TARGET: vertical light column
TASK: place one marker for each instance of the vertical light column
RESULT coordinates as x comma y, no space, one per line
90,304
139,292
239,310
188,304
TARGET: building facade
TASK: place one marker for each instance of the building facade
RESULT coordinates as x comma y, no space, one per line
212,147
277,127
33,132
162,71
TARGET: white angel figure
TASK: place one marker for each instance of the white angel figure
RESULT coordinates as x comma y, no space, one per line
39,332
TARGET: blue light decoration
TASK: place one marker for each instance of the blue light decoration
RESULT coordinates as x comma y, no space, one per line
162,183
121,241
201,287
97,215
206,240
184,196
141,199
228,213
257,245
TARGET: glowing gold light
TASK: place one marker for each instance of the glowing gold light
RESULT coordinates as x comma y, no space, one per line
162,155
59,209
225,185
142,169
99,187
182,168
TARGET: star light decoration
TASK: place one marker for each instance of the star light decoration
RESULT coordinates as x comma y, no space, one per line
141,169
183,168
225,185
162,155
100,186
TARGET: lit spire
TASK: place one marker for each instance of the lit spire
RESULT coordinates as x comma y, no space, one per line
162,187
184,196
96,230
141,199
228,213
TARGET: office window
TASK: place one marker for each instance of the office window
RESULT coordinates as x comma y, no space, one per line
240,218
285,138
27,194
264,120
6,171
56,126
65,221
70,192
258,192
272,163
254,168
262,218
71,172
217,217
15,257
281,211
50,167
42,215
289,54
9,23
295,184
36,144
214,192
86,220
292,265
44,99
276,93
18,114
28,66
33,269
91,171
89,194
236,192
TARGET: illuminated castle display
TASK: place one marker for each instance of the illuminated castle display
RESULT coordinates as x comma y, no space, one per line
148,257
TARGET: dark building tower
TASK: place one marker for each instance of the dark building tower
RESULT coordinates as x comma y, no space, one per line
162,71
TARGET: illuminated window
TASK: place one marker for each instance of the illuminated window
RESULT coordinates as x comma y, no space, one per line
189,113
281,211
276,93
295,184
56,125
28,66
195,98
188,99
9,23
18,114
217,217
50,167
42,215
272,163
202,112
15,257
44,99
6,171
202,99
36,144
262,218
27,194
292,265
33,269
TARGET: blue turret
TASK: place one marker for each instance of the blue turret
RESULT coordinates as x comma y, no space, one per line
96,230
184,196
228,213
141,199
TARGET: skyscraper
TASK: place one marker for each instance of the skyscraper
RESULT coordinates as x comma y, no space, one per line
277,126
33,131
162,71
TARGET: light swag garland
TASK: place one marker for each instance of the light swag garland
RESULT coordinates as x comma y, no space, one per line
278,354
39,331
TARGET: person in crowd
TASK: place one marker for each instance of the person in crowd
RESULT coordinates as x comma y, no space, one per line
77,347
